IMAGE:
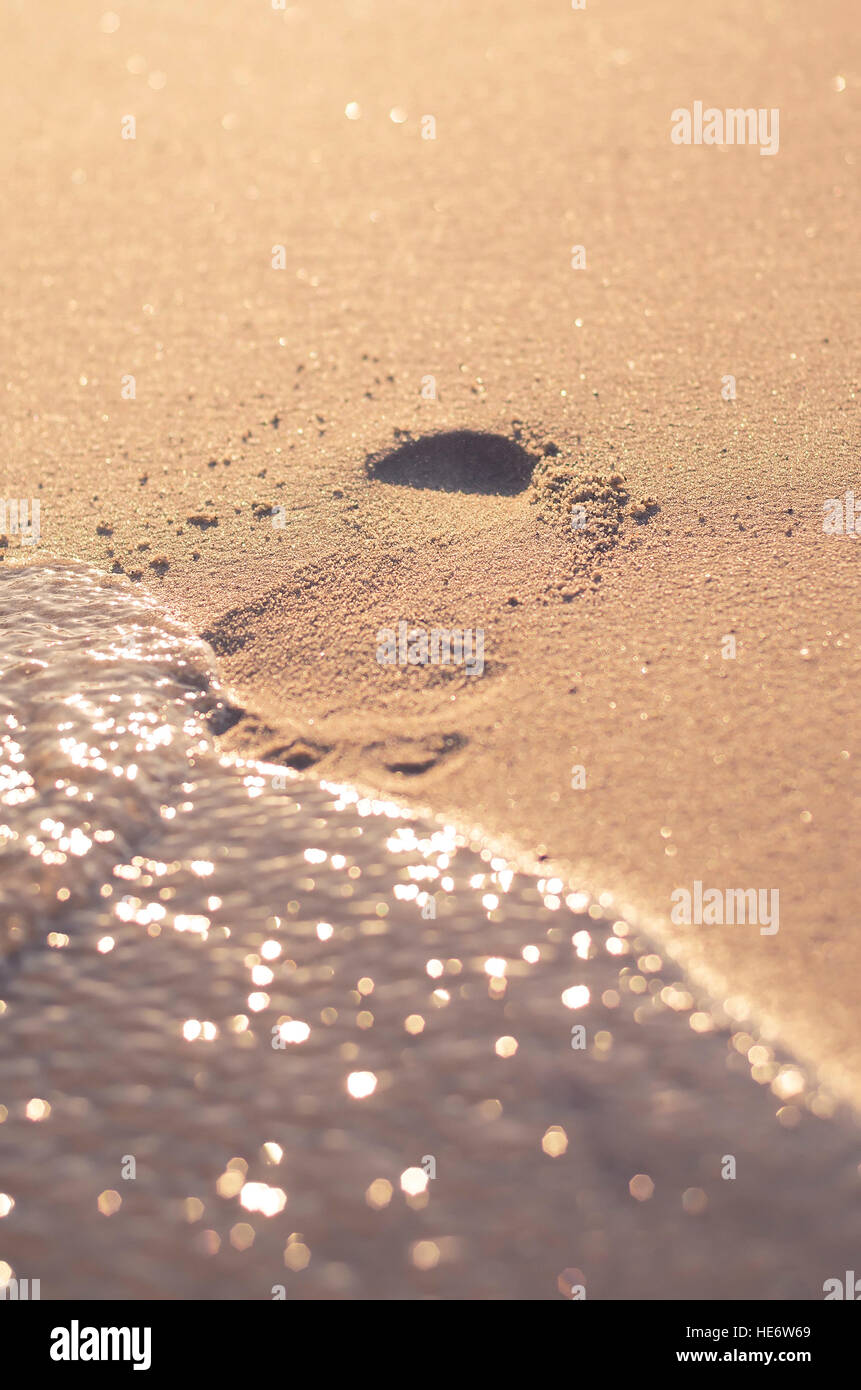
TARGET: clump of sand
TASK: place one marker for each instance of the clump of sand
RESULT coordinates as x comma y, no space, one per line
594,506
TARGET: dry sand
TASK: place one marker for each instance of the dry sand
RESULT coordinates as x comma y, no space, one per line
408,258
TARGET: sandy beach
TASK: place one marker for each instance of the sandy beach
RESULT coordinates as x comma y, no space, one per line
364,302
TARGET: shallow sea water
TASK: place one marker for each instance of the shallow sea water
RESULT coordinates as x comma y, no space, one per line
168,912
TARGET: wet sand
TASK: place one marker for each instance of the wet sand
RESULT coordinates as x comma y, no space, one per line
407,258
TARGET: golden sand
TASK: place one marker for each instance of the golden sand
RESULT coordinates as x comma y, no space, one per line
429,287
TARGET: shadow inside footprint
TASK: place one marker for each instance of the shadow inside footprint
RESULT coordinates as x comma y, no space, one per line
412,756
457,461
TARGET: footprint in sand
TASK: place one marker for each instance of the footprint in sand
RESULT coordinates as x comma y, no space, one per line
592,507
441,517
